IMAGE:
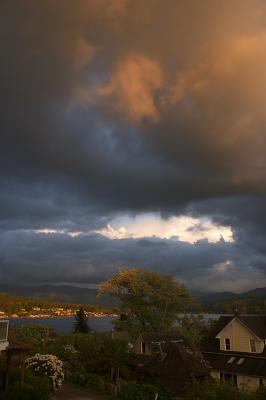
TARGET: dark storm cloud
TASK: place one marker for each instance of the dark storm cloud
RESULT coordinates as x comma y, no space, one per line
128,106
33,258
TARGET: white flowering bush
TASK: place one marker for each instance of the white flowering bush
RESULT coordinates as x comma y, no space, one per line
47,365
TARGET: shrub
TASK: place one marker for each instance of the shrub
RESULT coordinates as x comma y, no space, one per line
41,384
133,391
25,393
47,365
216,391
96,352
94,381
37,332
260,394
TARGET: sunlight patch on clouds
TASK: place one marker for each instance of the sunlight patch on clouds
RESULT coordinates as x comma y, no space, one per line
183,228
48,231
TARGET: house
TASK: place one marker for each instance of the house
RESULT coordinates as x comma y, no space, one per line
235,350
166,359
3,335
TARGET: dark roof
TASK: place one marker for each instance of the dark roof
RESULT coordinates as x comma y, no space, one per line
139,360
159,341
175,367
256,323
251,366
211,343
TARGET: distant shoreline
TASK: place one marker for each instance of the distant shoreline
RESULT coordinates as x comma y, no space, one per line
54,316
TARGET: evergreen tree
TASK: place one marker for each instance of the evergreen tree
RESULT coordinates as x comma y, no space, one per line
81,324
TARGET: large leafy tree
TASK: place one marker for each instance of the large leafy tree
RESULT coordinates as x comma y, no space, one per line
149,301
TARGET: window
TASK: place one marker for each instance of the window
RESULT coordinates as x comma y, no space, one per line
228,377
240,361
261,382
231,360
142,348
252,343
227,344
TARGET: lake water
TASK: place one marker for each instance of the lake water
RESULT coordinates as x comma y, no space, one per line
63,325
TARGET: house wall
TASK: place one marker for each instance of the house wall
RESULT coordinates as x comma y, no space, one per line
248,382
240,338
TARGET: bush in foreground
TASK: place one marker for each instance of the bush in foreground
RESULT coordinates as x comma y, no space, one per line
47,365
133,391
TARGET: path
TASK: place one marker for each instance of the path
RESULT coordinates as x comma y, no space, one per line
68,392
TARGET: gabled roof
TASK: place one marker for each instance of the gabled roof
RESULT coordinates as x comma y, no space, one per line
255,323
241,322
175,367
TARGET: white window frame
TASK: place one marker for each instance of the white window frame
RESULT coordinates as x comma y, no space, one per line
225,346
254,342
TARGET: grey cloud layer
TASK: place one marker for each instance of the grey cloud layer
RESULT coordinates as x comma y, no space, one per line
129,106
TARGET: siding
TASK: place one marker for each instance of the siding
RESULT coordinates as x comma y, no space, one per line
250,383
239,337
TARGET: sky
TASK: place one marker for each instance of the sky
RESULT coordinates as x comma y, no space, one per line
133,134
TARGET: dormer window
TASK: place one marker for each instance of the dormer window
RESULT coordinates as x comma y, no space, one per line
252,343
227,344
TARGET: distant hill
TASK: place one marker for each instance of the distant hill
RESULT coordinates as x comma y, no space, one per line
250,302
65,294
259,293
253,301
216,297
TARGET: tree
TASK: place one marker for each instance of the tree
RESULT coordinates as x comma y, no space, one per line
194,328
81,325
150,301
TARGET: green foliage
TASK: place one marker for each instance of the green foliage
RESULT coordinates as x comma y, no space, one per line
216,391
260,394
25,393
88,379
194,328
150,301
47,365
96,353
37,332
81,324
133,391
35,387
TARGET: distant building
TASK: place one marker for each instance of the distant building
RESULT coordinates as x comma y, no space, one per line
3,335
236,350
